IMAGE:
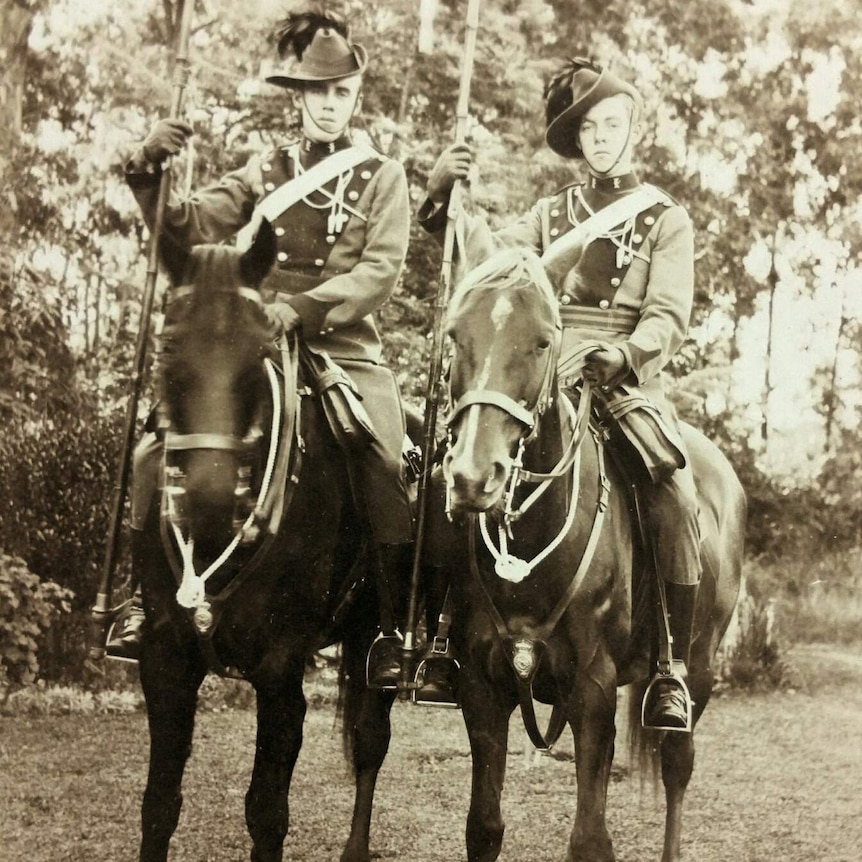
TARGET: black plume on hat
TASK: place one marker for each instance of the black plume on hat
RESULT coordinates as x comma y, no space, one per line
296,32
558,91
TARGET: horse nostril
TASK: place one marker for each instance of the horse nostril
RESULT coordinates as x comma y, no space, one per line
495,478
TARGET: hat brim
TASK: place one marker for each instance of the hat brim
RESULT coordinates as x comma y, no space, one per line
562,134
300,76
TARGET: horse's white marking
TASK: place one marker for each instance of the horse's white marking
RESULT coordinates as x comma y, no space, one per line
470,430
501,311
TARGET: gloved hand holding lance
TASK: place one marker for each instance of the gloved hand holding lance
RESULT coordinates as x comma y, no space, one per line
432,397
102,613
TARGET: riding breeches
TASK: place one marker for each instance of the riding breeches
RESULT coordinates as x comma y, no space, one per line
672,521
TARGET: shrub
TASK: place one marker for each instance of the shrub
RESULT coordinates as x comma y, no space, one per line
754,661
57,478
41,700
28,607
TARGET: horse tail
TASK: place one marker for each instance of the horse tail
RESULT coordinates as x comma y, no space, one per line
644,744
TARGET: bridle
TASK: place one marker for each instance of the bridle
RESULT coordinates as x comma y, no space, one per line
525,650
248,513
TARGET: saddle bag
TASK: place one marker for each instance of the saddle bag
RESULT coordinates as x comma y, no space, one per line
649,440
340,399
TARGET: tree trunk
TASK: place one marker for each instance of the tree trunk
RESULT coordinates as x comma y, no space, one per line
772,281
16,19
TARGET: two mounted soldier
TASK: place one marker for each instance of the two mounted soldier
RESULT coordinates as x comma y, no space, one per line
341,218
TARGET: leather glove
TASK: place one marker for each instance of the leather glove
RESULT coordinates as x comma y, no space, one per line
282,317
605,366
454,163
166,138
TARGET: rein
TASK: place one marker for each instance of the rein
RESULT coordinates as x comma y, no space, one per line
525,653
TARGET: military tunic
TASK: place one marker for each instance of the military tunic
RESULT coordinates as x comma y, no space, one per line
645,267
340,251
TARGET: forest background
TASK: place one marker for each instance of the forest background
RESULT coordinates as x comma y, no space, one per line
753,124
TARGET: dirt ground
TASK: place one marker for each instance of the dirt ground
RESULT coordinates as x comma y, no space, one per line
778,778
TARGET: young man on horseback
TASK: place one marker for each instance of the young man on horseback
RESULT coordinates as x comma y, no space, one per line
340,212
627,290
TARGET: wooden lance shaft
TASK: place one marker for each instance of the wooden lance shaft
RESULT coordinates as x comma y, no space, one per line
102,614
432,398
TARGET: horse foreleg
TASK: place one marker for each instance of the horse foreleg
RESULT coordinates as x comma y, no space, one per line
486,715
677,761
370,735
280,716
591,711
170,687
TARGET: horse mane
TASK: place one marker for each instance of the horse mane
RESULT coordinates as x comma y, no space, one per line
510,268
214,265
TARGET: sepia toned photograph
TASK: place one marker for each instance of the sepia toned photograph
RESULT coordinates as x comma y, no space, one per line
430,430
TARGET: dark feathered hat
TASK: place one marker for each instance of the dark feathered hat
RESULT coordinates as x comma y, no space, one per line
578,86
316,46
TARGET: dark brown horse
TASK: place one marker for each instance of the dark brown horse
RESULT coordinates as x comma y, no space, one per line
253,600
547,566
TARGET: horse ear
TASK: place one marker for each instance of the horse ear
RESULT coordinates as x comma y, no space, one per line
255,264
175,258
475,245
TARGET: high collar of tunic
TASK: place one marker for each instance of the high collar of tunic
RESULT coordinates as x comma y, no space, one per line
313,152
598,192
611,185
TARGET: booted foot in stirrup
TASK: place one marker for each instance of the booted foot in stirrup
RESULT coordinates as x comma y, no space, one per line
124,636
437,681
383,664
667,702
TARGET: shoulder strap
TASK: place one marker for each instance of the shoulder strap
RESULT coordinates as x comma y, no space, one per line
602,221
287,194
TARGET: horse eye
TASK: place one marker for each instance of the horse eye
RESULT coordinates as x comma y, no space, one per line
543,344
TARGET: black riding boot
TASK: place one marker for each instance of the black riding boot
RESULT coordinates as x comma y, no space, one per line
124,637
670,703
383,665
437,674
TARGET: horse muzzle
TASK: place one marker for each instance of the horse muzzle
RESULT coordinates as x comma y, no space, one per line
472,485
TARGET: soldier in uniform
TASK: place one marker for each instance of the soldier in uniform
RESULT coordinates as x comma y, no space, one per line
630,291
341,216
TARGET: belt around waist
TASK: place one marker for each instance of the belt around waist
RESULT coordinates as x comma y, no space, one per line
289,283
607,319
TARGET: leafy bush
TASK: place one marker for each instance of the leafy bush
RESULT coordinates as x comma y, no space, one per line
57,478
755,662
28,607
40,700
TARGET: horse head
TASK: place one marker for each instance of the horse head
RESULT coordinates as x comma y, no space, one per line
504,329
212,380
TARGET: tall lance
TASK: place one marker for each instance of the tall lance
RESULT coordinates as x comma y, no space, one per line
435,367
102,614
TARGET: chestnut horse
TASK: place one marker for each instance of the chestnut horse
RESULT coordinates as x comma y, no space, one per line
254,599
550,596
